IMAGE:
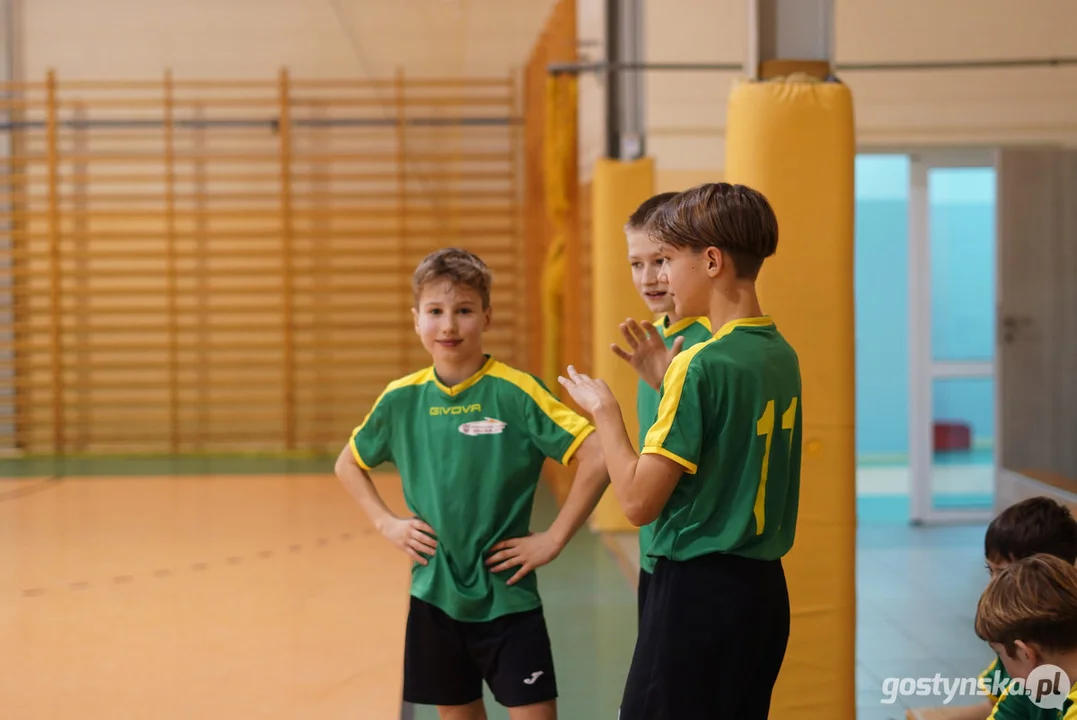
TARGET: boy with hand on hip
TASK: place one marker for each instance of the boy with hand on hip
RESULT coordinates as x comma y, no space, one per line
469,436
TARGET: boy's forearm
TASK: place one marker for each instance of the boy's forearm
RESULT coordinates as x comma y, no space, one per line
621,457
584,494
359,485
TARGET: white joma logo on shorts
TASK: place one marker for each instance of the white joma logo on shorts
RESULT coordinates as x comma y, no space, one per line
534,676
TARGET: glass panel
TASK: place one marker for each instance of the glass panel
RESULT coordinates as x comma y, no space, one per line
881,262
963,432
961,217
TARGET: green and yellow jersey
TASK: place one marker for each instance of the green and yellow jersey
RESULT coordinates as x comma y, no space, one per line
695,330
469,457
1069,706
731,414
995,682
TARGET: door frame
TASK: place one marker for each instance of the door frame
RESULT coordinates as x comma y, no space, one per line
922,369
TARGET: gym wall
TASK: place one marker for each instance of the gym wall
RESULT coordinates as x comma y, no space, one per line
254,38
685,111
173,291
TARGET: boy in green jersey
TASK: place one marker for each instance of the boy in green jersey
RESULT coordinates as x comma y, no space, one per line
1028,614
469,436
652,341
1033,526
719,471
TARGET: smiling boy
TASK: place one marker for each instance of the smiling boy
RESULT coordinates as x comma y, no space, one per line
719,470
652,345
469,436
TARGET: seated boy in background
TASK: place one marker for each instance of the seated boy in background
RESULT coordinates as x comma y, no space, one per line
652,344
1028,614
1033,526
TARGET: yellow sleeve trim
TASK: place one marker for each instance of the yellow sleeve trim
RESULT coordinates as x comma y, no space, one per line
690,467
580,437
562,415
355,451
568,420
672,387
416,378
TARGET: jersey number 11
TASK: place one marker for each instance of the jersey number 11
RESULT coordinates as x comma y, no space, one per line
765,427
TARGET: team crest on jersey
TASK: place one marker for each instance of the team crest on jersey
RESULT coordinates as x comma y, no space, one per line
486,426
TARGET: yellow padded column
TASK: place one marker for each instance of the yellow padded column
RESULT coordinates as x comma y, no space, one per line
617,190
794,141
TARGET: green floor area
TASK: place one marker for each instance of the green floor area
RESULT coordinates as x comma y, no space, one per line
591,613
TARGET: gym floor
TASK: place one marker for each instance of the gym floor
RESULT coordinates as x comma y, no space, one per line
224,588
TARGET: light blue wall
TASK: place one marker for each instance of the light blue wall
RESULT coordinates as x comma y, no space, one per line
963,279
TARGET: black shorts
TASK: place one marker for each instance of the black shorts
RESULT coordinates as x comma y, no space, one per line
711,642
641,594
446,661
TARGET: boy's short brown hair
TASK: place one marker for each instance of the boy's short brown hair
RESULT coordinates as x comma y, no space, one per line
643,214
1033,600
736,219
1035,525
457,266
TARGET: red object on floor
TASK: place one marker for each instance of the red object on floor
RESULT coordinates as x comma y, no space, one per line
952,436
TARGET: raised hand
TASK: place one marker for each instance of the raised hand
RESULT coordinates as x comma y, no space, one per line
648,355
589,393
412,536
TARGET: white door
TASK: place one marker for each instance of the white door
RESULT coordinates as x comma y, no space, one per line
952,311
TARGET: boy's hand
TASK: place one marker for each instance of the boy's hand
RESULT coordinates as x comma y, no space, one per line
591,394
411,535
528,553
649,357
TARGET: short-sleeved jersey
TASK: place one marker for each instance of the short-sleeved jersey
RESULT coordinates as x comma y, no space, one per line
695,330
1069,706
995,682
470,457
731,415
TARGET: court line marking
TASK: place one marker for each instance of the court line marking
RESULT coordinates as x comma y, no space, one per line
38,486
232,560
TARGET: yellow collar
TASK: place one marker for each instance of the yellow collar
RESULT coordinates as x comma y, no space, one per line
464,385
761,321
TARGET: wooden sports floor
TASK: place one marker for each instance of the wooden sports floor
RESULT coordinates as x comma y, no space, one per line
243,589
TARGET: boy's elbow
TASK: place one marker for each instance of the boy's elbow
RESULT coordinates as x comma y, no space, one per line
344,462
639,513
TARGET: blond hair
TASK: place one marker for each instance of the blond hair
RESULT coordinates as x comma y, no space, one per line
459,267
1033,600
